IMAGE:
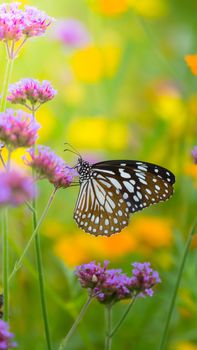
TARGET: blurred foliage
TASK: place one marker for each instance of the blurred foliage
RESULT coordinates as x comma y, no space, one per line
128,94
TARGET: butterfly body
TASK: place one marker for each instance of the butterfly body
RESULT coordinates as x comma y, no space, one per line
112,190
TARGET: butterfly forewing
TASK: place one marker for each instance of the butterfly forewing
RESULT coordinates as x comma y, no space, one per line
114,189
140,183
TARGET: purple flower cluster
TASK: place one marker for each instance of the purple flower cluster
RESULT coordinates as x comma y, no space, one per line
111,285
17,23
72,33
31,91
18,129
143,279
194,154
6,337
49,166
16,188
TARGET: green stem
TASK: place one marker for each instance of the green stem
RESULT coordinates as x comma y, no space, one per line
41,278
108,320
45,211
6,82
75,324
5,212
114,330
5,265
177,284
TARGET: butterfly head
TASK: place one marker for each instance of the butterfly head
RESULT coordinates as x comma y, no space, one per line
83,169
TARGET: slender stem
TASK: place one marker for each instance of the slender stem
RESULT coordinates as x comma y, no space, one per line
108,320
41,278
5,211
6,83
29,206
45,211
14,54
5,265
114,330
177,284
8,160
75,324
2,160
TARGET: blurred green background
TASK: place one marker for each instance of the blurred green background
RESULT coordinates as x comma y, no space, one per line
128,94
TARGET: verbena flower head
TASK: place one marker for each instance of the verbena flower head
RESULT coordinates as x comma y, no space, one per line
36,21
17,23
111,285
31,92
6,337
144,279
72,33
16,188
194,154
92,274
18,129
115,287
49,166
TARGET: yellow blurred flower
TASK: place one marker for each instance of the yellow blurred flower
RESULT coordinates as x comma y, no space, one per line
110,7
91,64
149,8
191,170
87,132
152,232
169,106
164,259
74,94
191,61
88,65
88,247
111,59
47,120
184,346
53,229
97,132
187,305
16,157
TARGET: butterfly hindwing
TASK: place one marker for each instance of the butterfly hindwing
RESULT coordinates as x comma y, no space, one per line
99,210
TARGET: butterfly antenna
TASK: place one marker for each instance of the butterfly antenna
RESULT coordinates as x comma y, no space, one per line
72,150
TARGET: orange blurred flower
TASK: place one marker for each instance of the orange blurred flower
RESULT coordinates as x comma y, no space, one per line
110,7
144,235
191,61
152,232
88,247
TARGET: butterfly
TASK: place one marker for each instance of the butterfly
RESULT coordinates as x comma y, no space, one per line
110,191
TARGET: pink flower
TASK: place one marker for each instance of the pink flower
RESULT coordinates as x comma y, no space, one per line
18,129
50,166
16,188
31,92
19,24
11,22
194,154
72,33
112,285
144,279
36,21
